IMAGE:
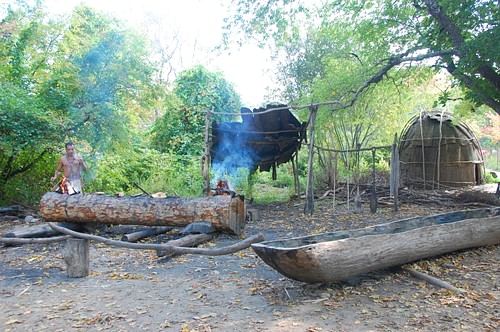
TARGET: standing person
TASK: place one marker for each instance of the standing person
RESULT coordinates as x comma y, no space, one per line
71,164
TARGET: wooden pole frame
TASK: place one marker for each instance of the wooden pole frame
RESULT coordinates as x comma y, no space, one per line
206,159
309,206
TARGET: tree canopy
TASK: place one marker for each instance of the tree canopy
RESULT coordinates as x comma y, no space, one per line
461,38
182,127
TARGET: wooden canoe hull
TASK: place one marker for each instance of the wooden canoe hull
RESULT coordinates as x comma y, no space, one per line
336,256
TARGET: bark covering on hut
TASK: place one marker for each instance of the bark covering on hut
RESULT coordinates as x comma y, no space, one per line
436,150
262,140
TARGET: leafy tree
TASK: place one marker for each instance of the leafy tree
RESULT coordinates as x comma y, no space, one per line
461,38
182,127
105,75
26,130
85,79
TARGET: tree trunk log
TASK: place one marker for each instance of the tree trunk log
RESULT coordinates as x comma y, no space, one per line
15,240
13,209
132,237
186,241
76,256
41,231
37,231
224,212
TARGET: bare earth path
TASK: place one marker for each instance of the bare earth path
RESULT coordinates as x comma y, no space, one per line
131,290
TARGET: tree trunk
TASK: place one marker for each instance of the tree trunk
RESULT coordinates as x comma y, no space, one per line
191,240
40,231
132,237
76,256
224,212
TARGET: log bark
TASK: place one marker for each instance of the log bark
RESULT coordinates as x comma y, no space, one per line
43,240
32,232
191,240
13,209
76,256
132,237
224,212
169,248
335,256
40,231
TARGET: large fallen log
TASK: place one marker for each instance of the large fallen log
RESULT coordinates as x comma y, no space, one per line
224,212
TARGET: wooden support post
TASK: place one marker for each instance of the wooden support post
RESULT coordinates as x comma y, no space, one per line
373,195
206,157
295,168
394,186
76,256
309,207
253,214
357,199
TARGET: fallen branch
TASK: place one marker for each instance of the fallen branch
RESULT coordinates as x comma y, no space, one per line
132,237
13,240
432,280
32,232
11,209
186,241
165,247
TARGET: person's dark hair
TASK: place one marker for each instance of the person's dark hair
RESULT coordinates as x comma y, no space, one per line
68,144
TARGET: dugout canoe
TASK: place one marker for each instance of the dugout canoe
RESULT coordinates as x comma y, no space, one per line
336,256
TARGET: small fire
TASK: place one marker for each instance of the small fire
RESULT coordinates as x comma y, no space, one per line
222,187
65,186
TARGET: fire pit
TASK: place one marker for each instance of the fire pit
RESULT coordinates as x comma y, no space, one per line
222,187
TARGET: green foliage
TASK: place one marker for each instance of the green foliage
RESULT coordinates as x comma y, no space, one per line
82,79
26,130
200,89
489,178
111,73
182,127
22,122
386,36
151,170
180,176
29,186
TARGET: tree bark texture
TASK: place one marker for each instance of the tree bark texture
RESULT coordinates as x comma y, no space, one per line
224,212
76,256
191,240
132,237
335,256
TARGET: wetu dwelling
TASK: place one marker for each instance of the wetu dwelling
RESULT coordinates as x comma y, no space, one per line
435,150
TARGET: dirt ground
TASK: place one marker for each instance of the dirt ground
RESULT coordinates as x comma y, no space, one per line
134,290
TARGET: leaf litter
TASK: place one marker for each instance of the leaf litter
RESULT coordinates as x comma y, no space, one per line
135,290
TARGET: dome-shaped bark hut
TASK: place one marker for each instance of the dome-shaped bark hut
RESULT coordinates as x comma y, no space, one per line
434,151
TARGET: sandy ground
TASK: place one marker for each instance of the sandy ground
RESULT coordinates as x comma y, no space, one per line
134,290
